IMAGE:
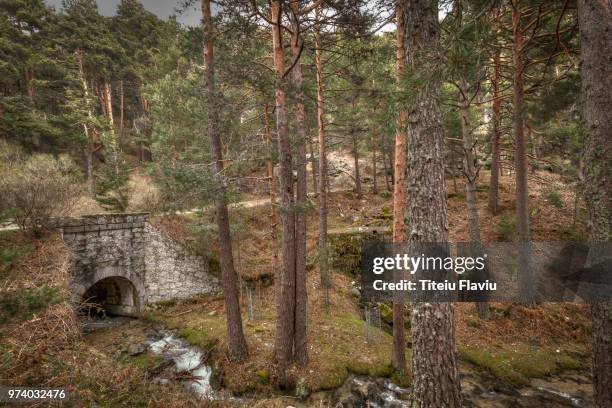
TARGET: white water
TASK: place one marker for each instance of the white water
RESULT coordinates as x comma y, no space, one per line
186,358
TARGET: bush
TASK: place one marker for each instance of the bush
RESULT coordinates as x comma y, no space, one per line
112,184
506,226
36,188
24,304
552,196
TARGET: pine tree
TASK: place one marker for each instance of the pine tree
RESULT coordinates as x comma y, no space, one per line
434,355
235,335
595,71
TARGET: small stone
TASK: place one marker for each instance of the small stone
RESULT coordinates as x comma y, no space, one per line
135,349
213,313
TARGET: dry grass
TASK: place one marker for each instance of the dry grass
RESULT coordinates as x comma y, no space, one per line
45,263
336,336
42,344
144,194
547,221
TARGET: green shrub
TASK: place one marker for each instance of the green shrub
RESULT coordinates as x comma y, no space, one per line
112,185
25,303
506,226
551,194
10,255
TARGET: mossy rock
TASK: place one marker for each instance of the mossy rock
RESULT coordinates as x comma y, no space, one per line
345,246
145,361
386,313
263,376
517,364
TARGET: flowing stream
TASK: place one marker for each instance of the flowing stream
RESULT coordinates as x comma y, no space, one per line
187,365
187,359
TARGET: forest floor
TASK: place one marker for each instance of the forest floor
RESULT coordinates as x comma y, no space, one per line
516,349
515,345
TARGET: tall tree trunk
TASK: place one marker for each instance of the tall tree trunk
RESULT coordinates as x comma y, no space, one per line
434,354
285,315
111,144
272,195
453,168
399,191
374,143
495,136
471,182
534,151
301,297
121,109
353,133
386,169
314,168
90,141
594,19
522,190
469,170
235,336
29,84
469,166
144,150
107,97
323,179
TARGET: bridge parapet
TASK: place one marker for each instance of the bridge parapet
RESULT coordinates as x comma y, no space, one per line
102,222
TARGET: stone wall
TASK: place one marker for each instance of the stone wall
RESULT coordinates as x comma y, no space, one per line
125,253
173,271
108,246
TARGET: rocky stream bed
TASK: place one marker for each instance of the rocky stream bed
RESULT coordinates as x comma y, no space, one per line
175,360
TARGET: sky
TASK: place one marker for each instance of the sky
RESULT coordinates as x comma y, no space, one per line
163,8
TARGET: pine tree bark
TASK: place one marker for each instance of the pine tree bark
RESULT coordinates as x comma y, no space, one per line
144,149
314,168
272,194
235,336
374,143
399,191
471,182
108,103
323,179
470,171
388,183
353,134
90,141
285,315
495,135
594,18
522,189
111,144
121,108
434,355
301,297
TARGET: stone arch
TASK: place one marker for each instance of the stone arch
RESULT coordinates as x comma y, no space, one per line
115,294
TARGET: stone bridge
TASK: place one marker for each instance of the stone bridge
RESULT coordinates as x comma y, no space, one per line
122,262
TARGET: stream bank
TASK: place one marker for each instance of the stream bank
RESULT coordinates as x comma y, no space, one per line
168,358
